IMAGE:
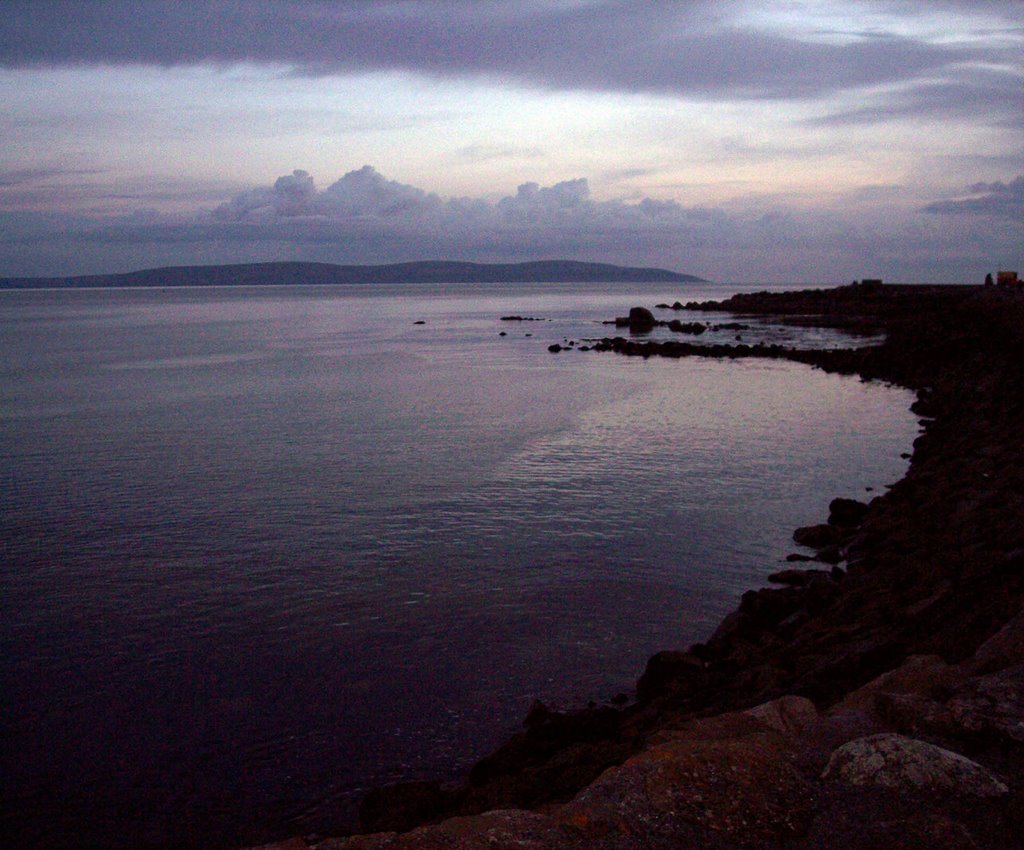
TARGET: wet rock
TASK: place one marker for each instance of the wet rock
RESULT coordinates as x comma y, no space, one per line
901,763
817,536
641,320
846,513
695,328
793,578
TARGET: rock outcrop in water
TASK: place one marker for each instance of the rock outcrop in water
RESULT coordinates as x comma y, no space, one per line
879,703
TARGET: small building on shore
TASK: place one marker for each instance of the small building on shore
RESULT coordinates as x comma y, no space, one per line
1009,279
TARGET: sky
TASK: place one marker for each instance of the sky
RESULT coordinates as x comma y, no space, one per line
810,142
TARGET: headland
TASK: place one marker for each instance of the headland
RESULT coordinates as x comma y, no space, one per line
875,698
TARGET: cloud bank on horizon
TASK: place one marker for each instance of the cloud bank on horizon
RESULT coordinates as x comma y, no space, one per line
735,140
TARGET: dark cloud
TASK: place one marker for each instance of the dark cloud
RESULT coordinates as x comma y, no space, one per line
990,97
663,47
999,200
33,176
62,188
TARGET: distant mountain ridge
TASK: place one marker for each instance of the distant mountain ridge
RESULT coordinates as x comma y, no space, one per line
299,273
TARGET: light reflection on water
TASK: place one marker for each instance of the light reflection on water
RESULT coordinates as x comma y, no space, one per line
262,548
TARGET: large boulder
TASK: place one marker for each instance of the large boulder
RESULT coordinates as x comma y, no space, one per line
641,320
725,782
846,513
789,715
992,704
901,763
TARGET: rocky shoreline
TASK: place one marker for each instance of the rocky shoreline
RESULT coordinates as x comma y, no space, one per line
875,700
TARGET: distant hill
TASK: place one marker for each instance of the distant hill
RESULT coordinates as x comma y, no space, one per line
284,274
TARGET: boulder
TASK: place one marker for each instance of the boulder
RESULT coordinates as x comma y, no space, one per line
789,715
901,763
817,536
846,513
723,782
918,675
993,705
641,320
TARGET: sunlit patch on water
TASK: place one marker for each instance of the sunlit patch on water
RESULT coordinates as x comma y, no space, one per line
264,548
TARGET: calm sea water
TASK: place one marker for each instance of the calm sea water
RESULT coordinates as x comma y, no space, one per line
265,548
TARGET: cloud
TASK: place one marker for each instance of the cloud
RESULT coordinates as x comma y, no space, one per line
34,176
366,218
359,194
692,49
488,153
999,200
987,96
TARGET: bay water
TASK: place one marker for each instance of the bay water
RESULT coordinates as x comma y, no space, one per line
265,548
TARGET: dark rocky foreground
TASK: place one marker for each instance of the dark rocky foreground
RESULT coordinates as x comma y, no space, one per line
876,700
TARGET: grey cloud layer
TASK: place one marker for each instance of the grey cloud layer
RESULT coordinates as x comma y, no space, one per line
1000,200
662,47
366,218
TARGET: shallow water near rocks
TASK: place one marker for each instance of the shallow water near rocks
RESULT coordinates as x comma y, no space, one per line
265,548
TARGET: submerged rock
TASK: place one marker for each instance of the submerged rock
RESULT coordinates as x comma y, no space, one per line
696,328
